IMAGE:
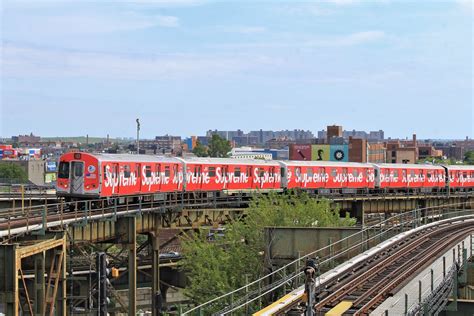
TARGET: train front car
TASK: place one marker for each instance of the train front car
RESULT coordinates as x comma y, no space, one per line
84,175
461,178
410,177
326,177
78,176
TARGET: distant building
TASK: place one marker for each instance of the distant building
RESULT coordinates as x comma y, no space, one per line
28,139
372,136
261,137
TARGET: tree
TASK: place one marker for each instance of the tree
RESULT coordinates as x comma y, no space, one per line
219,266
13,172
200,150
219,147
469,157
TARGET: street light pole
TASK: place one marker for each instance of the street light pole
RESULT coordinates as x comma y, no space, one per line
138,136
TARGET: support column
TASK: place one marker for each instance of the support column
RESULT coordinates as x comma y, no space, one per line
156,295
39,287
8,280
132,266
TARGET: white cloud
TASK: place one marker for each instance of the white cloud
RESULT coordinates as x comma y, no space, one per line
467,5
20,61
244,29
346,40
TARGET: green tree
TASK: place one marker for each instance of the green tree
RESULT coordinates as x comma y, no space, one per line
469,157
219,266
200,150
219,147
12,172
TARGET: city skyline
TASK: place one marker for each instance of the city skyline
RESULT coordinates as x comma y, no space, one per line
77,68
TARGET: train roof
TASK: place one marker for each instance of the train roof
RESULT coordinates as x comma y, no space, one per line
408,166
325,163
132,158
230,161
459,167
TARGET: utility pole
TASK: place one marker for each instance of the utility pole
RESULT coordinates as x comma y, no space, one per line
138,136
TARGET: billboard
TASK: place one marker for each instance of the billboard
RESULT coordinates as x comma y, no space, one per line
320,152
50,166
300,152
49,177
339,153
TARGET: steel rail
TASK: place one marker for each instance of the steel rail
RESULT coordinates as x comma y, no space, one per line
285,306
409,268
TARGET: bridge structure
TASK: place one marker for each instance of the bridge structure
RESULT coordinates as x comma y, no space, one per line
412,263
38,243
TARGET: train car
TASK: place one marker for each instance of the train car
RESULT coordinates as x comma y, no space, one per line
408,176
105,175
224,174
328,175
460,176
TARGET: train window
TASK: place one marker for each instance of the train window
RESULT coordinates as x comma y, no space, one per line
237,172
429,175
333,172
395,173
105,172
126,171
148,171
78,169
412,173
309,172
355,172
282,172
212,171
465,174
297,172
63,172
167,171
261,173
249,171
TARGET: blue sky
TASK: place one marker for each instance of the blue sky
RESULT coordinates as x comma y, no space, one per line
184,66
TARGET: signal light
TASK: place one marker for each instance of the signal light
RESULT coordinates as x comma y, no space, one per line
115,273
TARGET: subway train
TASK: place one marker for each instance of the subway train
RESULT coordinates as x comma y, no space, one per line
95,176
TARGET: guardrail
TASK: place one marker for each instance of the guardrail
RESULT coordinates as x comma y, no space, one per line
290,276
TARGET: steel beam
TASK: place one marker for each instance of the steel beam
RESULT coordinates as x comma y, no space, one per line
39,287
132,265
8,282
155,288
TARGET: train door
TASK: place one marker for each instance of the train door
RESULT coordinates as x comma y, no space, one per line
77,177
345,178
138,173
225,175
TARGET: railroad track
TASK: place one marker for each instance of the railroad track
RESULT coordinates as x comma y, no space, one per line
368,283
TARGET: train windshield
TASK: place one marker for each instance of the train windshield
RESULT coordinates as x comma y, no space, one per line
63,172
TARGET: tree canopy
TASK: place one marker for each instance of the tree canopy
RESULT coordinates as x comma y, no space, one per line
13,172
221,265
219,147
200,150
469,157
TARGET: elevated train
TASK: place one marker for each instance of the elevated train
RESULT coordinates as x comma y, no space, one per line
94,176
